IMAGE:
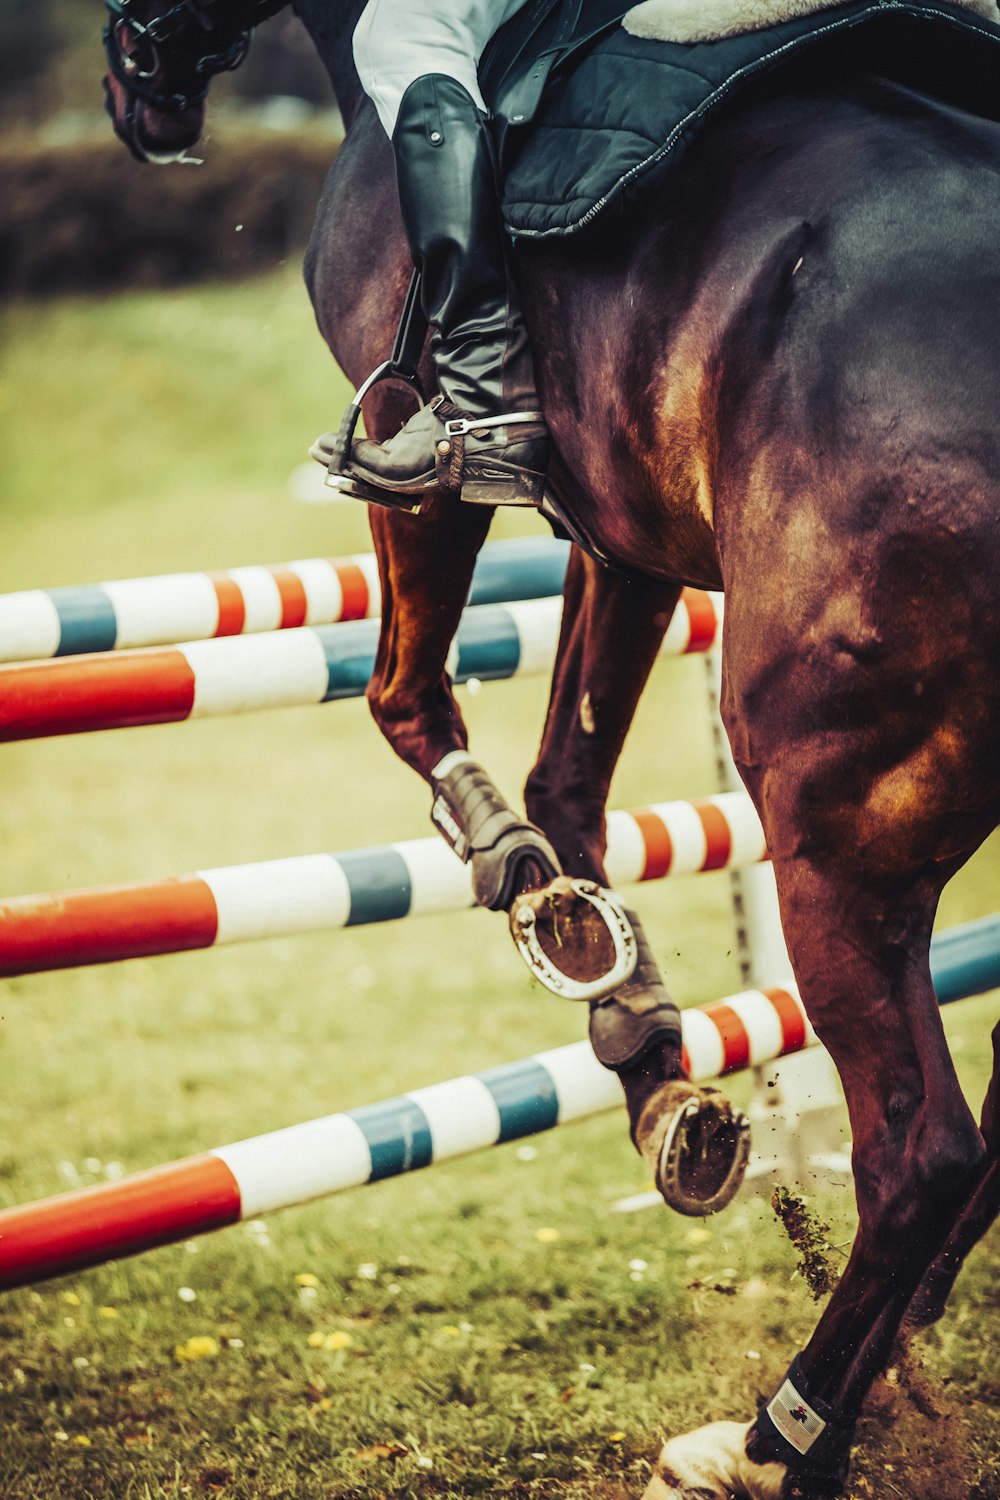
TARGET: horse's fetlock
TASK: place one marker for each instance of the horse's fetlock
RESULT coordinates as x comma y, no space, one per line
574,825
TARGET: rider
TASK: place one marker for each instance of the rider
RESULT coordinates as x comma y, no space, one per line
417,60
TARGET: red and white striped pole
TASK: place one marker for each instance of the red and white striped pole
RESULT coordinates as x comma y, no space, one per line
320,892
302,1162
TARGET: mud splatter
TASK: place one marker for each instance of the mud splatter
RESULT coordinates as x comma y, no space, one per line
808,1236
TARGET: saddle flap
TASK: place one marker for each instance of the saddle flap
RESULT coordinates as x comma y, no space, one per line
610,113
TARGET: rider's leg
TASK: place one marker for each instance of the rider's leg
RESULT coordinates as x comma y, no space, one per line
420,70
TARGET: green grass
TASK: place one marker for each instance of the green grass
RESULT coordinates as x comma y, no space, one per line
153,433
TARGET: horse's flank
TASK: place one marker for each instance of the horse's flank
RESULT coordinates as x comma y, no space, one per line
739,361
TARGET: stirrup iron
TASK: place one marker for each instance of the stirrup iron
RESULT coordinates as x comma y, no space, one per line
401,365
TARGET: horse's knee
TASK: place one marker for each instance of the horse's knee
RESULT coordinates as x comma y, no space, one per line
421,724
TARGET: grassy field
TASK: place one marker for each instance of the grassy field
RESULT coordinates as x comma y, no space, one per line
491,1327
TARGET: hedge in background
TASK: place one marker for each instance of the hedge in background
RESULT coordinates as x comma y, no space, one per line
87,217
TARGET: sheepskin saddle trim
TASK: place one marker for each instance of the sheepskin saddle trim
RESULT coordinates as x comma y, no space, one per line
689,21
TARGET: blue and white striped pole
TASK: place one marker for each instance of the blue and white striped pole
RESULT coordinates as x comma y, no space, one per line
418,1129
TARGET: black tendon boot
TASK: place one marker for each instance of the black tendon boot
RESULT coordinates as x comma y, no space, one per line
484,435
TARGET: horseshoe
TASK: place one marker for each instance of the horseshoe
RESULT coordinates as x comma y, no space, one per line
682,1158
523,926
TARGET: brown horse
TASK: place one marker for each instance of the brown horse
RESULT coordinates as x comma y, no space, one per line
783,382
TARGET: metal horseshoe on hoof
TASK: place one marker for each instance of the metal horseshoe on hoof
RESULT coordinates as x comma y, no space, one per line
524,929
675,1170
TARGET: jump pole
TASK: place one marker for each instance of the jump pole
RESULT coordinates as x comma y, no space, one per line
313,1160
204,679
319,892
158,611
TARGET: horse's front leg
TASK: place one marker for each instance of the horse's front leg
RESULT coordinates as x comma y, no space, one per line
425,569
695,1144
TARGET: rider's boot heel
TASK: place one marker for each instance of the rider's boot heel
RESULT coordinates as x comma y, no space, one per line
499,460
518,487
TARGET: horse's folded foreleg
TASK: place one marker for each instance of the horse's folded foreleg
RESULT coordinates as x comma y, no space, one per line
425,569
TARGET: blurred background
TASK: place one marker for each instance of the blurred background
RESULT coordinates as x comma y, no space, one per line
273,132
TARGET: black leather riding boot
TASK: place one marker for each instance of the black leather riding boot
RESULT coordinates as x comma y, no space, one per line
484,435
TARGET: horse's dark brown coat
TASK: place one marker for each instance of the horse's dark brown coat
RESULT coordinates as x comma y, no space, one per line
784,381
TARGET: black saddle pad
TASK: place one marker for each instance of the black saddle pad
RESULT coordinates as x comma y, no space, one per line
589,116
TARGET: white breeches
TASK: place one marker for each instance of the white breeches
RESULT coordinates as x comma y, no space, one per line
398,41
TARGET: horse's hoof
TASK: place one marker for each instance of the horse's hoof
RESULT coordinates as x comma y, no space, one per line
711,1464
575,937
697,1145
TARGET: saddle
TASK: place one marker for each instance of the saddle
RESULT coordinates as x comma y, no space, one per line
591,113
593,109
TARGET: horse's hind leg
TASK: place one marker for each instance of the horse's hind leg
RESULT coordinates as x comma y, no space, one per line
872,795
861,957
975,1218
612,629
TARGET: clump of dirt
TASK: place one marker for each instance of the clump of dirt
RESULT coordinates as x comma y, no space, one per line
911,1440
808,1235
